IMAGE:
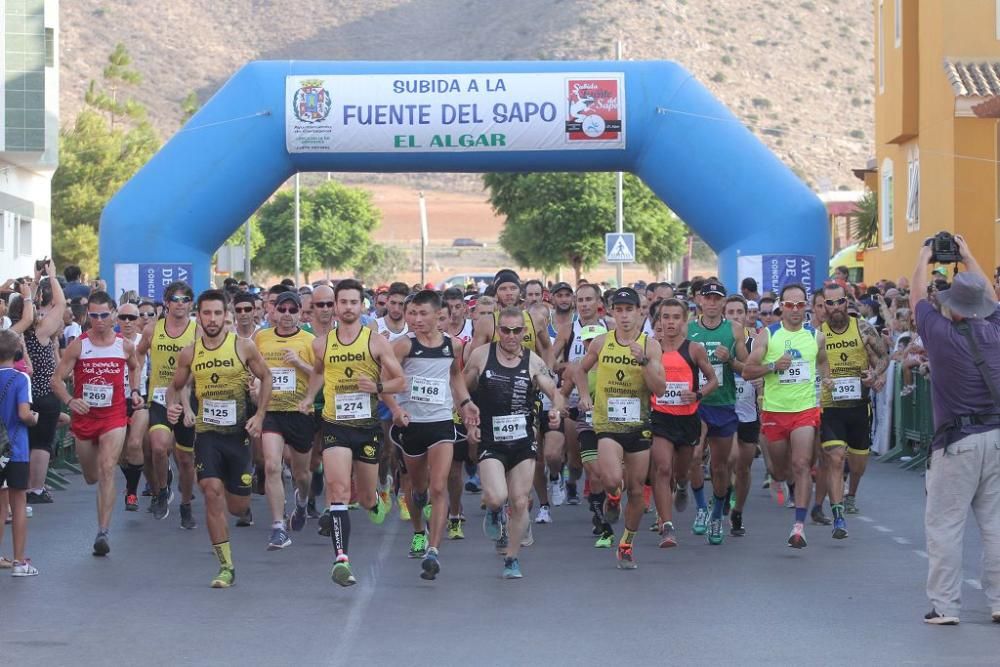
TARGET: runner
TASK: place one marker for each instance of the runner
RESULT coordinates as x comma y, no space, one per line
288,351
392,325
459,327
243,309
220,365
353,366
423,427
787,355
819,472
163,340
629,370
748,432
508,291
138,417
504,376
674,418
858,361
323,323
98,361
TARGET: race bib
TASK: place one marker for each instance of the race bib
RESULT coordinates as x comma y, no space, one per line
717,368
507,428
588,417
357,405
672,395
623,410
428,390
283,379
799,372
846,389
160,395
218,413
98,395
742,388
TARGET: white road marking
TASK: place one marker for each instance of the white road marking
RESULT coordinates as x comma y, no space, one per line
900,540
974,583
883,529
922,554
865,519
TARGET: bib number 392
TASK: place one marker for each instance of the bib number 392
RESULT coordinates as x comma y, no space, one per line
846,389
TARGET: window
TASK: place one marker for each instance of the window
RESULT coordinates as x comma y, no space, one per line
913,190
50,47
22,227
885,198
897,21
881,48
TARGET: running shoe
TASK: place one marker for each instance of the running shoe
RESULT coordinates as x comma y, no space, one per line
418,545
839,528
42,498
23,569
430,566
472,485
146,490
131,502
934,618
612,508
298,521
700,525
162,508
279,539
311,510
455,531
246,520
668,536
101,545
715,532
187,517
386,495
626,561
996,616
543,515
381,511
511,569
6,563
850,505
404,508
778,493
605,541
557,492
655,526
736,527
818,517
681,498
797,538
491,525
225,578
529,537
572,496
341,573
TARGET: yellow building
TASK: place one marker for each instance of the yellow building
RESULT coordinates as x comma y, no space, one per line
937,138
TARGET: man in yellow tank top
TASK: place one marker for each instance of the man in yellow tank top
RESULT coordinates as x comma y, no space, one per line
858,361
287,350
629,371
788,355
163,340
353,365
221,363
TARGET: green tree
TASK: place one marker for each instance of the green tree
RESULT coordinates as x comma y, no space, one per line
381,264
559,219
76,245
335,227
239,237
111,98
863,222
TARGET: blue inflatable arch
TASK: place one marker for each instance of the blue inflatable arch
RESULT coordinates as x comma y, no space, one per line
688,147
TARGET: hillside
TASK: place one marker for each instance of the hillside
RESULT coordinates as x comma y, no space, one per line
799,73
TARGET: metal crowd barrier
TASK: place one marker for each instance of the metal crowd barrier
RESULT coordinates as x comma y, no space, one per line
912,423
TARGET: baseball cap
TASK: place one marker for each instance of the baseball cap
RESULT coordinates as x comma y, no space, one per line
288,296
625,295
752,305
560,286
713,287
592,331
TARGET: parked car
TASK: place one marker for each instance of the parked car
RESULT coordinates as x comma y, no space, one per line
464,279
467,243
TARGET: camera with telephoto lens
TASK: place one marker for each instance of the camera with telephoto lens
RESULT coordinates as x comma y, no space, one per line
944,249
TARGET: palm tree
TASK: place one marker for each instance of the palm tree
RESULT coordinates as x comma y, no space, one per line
864,221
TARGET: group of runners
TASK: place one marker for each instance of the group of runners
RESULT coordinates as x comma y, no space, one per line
633,395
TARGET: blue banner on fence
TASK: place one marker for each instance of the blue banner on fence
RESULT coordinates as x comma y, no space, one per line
772,272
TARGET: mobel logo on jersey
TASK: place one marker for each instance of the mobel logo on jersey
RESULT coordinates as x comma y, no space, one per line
346,357
619,359
214,363
840,344
168,347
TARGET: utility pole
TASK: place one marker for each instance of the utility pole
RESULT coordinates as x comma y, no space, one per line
298,246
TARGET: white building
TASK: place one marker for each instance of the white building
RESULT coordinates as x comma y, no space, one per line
29,141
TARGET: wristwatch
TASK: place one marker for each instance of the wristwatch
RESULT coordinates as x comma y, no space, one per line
378,386
644,361
770,366
698,395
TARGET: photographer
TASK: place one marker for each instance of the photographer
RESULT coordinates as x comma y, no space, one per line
963,345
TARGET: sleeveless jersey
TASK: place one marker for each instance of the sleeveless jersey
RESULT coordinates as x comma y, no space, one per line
848,360
794,389
682,374
528,341
386,332
163,352
428,371
344,365
506,402
99,378
220,384
465,335
143,368
288,383
746,396
621,399
720,336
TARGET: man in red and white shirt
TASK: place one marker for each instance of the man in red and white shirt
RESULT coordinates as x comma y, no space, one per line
103,365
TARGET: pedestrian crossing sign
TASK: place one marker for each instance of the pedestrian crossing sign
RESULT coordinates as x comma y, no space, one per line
619,248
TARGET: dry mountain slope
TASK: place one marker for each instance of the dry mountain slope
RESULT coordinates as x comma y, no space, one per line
799,73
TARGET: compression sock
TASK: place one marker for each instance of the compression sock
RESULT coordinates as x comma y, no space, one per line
341,528
133,472
720,502
224,553
316,485
699,497
838,510
800,514
596,503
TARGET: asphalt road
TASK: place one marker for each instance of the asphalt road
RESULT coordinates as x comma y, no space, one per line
749,601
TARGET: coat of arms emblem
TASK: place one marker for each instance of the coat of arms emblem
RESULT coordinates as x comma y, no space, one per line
311,102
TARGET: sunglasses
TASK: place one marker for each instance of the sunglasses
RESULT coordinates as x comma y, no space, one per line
99,316
836,302
512,331
243,311
323,304
291,310
793,305
147,314
766,313
127,318
180,298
